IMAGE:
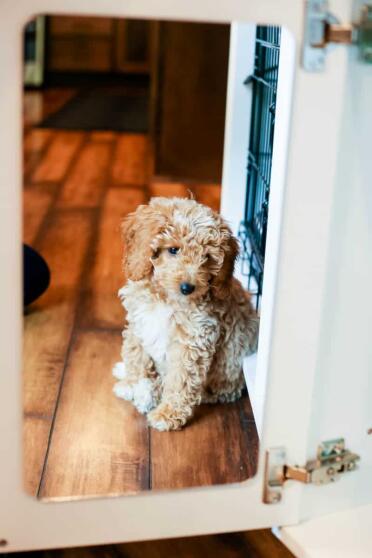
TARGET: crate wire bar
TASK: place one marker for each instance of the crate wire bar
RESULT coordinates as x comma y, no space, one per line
253,227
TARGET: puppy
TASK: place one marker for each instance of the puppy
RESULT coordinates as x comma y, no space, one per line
189,322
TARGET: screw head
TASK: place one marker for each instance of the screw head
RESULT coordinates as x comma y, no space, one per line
275,497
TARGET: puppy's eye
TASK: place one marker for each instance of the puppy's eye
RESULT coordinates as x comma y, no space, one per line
173,250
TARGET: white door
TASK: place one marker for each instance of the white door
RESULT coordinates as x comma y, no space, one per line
297,305
342,392
337,112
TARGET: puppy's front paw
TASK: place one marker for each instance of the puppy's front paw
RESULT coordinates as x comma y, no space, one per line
143,396
119,371
123,390
164,417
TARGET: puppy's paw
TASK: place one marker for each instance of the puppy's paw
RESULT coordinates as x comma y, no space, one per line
143,396
119,371
164,418
123,390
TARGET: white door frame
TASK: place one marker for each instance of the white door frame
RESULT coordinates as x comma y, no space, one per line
291,347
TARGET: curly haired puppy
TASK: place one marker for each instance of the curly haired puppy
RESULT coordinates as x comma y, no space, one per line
190,323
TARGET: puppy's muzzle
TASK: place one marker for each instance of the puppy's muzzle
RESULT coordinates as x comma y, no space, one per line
187,288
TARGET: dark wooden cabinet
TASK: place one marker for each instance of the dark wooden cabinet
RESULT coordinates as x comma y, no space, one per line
190,101
92,44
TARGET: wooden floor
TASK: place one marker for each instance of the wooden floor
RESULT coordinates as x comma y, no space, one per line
252,544
79,440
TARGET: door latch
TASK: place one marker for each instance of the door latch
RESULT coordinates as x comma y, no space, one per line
323,30
332,460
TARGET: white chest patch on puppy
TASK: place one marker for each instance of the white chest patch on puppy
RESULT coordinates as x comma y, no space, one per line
151,322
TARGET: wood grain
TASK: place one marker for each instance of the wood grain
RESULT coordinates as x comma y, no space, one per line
208,194
35,144
36,202
85,184
47,330
49,320
101,306
36,431
131,161
192,80
36,140
58,157
99,444
249,544
105,136
213,449
169,189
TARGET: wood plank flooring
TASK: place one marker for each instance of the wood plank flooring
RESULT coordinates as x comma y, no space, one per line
79,440
251,544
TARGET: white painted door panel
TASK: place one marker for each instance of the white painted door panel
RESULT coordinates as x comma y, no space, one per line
342,397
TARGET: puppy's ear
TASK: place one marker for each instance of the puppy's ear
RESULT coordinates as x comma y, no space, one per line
221,284
139,230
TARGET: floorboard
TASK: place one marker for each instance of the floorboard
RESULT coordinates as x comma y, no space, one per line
131,161
36,140
36,430
79,440
55,163
250,544
168,189
99,444
47,329
85,184
36,202
215,437
209,194
101,306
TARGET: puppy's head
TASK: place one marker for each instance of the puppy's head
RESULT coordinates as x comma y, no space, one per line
184,248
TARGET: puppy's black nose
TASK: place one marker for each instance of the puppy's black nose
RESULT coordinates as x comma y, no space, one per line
186,288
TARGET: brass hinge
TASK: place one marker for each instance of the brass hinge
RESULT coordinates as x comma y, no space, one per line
323,29
332,460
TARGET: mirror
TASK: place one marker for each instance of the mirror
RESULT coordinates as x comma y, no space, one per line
117,112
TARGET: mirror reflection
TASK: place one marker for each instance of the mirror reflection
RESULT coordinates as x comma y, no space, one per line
148,150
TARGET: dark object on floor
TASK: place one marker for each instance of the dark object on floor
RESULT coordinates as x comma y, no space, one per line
36,275
103,108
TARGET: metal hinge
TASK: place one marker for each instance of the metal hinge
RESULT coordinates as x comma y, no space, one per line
332,460
323,29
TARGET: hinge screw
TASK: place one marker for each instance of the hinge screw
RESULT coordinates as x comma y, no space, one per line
3,542
275,497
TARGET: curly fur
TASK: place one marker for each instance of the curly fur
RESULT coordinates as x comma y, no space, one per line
179,351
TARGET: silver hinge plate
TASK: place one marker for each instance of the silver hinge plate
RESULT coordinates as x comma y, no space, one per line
332,460
323,30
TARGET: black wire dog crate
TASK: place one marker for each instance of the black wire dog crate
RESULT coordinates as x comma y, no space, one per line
253,227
